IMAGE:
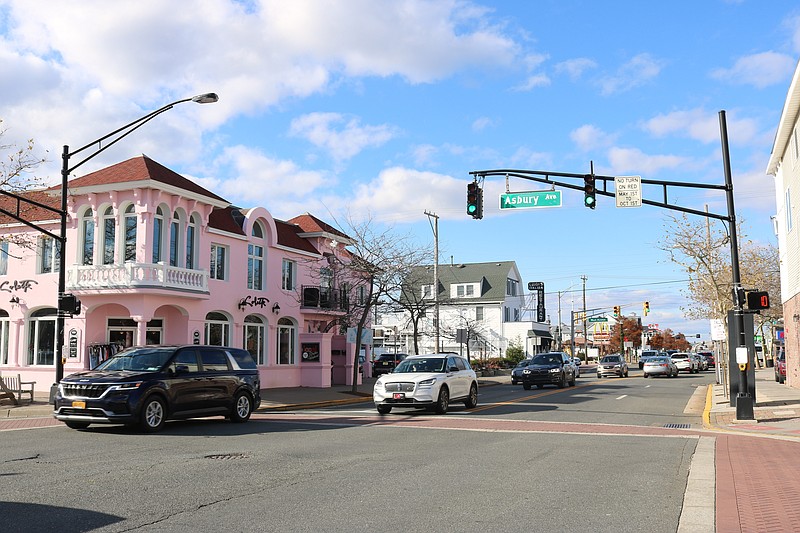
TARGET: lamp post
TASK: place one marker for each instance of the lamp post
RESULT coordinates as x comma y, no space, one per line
66,169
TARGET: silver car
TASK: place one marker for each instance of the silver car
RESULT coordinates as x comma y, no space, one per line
685,362
659,366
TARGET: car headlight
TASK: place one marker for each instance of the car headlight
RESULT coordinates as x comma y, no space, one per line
555,370
126,386
617,366
427,383
379,384
526,371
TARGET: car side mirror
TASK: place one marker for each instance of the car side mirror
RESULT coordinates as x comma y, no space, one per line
453,369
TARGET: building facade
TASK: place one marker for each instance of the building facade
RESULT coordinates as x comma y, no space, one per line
485,301
784,165
156,259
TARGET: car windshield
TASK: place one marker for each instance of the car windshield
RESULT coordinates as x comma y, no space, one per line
656,360
610,359
433,364
138,359
523,363
546,359
680,356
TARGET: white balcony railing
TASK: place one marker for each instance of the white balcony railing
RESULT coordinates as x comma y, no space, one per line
136,275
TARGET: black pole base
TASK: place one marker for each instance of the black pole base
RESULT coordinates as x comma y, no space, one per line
744,407
53,391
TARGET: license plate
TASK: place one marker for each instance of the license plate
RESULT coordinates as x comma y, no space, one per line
79,405
398,395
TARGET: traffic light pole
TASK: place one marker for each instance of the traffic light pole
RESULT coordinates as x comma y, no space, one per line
546,177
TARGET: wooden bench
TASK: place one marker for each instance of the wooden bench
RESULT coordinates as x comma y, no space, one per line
12,387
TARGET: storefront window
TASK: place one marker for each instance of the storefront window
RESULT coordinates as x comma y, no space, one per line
124,331
42,337
254,338
217,329
286,342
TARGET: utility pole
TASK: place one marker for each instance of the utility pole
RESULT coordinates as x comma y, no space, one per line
585,332
435,227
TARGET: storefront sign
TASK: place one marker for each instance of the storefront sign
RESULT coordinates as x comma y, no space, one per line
253,301
21,285
310,352
73,343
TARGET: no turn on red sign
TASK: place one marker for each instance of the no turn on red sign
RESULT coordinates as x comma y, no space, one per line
628,191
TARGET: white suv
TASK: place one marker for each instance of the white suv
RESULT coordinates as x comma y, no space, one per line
425,381
685,362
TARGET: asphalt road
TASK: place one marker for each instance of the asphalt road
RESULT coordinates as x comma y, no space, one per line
541,460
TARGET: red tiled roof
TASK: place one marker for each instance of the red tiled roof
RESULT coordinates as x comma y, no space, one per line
30,212
311,224
223,219
140,168
288,236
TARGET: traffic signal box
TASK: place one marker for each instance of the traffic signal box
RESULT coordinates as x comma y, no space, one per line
616,310
474,200
589,199
646,308
69,303
757,300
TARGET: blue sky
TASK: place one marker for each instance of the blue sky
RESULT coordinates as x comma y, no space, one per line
382,108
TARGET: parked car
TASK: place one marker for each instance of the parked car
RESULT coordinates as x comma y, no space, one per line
551,368
709,357
780,368
385,363
645,355
427,381
659,366
612,365
516,372
685,362
148,385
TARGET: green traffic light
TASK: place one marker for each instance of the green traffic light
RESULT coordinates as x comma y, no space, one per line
472,208
589,200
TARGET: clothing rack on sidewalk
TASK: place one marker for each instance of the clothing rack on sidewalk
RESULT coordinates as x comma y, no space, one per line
100,352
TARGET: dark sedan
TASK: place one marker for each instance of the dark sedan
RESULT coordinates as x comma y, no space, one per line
553,368
516,373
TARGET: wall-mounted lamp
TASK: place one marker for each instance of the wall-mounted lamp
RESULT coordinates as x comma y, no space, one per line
14,299
276,308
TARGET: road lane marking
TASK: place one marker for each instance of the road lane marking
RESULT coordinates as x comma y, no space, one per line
621,397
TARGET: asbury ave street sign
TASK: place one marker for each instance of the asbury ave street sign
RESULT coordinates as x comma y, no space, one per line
530,199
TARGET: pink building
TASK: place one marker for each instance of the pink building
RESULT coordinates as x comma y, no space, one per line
156,259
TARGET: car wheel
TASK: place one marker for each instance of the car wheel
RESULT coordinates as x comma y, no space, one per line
626,374
777,379
540,386
599,376
783,378
572,383
384,409
443,402
242,408
154,414
526,386
646,375
563,381
472,400
77,425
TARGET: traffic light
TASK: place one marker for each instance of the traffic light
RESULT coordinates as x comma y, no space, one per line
474,200
616,310
70,304
589,199
757,300
646,308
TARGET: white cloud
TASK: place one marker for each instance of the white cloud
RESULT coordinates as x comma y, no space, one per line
574,68
536,80
636,72
348,140
589,137
703,126
481,123
633,160
760,70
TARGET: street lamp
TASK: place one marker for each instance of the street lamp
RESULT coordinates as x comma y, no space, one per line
116,136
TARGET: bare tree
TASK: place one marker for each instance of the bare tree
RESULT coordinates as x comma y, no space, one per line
411,300
381,259
703,251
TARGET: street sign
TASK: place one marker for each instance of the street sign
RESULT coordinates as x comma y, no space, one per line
530,199
628,191
598,319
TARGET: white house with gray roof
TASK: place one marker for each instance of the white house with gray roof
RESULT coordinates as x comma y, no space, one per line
484,300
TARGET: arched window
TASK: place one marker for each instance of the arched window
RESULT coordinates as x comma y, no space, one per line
255,338
109,235
87,237
158,236
191,242
174,239
286,342
42,337
218,329
255,259
130,233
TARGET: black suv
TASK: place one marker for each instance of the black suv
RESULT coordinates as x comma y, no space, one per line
385,363
549,368
147,385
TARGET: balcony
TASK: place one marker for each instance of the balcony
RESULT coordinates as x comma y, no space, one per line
325,298
136,276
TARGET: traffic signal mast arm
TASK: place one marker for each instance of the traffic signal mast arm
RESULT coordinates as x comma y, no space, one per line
543,176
